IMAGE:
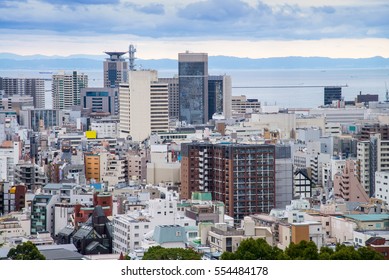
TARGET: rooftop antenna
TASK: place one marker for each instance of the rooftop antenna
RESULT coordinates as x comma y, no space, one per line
131,57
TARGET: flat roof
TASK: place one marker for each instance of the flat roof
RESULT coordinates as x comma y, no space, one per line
368,217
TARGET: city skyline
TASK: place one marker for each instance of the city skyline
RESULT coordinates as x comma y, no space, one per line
241,28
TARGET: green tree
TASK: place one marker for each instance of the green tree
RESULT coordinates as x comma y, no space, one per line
367,253
254,249
304,250
160,253
25,251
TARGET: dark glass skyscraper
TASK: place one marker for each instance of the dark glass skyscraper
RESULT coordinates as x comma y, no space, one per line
193,87
332,94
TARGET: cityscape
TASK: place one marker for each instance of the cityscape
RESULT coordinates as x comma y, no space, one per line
136,163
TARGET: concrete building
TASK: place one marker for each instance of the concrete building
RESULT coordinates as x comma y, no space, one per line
193,87
382,185
240,105
33,87
243,177
174,96
162,167
66,89
372,156
10,153
105,128
302,185
38,119
12,198
144,105
130,229
347,185
100,100
31,175
115,70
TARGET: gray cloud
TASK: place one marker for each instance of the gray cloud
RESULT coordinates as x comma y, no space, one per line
82,2
215,10
216,19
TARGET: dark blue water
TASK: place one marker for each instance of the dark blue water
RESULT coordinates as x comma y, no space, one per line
367,81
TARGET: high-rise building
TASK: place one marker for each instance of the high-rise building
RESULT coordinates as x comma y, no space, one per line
372,156
115,69
144,105
174,96
243,177
41,118
66,89
33,87
193,87
331,94
219,95
101,99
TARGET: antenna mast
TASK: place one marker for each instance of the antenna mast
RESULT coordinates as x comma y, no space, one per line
131,57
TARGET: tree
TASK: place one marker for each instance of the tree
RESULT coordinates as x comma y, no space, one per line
304,250
254,249
160,253
25,251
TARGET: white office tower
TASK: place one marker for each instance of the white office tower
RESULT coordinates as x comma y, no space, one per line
144,105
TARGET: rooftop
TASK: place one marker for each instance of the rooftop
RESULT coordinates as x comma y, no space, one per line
368,217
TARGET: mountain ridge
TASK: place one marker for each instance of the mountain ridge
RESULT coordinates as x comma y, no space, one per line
81,61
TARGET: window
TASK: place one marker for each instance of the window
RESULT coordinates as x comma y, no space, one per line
178,233
146,226
136,227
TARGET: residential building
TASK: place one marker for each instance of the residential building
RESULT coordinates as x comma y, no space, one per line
42,213
382,185
33,87
347,185
302,185
66,89
12,198
38,119
31,175
115,69
243,177
106,127
144,105
193,87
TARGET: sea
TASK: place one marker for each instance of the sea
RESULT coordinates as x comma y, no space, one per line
286,88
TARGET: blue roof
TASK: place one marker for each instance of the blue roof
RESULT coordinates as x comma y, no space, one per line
368,217
169,233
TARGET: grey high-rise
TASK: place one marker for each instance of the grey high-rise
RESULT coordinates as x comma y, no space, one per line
193,87
115,69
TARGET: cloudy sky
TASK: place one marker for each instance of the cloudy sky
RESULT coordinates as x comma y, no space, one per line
243,28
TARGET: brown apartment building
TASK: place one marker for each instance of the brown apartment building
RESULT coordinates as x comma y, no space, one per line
243,177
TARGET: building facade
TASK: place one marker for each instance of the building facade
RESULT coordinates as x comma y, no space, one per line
332,94
144,105
101,100
219,95
241,176
66,89
33,87
115,70
193,87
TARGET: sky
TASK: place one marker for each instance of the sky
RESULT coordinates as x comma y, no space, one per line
241,28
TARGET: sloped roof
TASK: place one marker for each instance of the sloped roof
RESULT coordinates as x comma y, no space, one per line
169,233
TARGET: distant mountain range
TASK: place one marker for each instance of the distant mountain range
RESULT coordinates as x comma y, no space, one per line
91,62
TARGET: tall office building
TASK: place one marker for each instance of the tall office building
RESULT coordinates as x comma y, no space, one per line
101,99
243,177
332,94
144,105
193,87
219,95
115,69
33,87
66,89
174,96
